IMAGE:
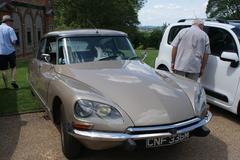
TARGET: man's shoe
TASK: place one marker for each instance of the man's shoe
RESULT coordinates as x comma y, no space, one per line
14,85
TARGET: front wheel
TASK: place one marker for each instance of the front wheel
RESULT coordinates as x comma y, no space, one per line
70,146
164,68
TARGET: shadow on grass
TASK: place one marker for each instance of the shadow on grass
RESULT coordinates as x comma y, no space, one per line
8,99
10,127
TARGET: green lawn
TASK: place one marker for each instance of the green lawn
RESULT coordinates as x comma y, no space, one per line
21,100
152,54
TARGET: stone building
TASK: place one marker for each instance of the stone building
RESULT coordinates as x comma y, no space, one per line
32,18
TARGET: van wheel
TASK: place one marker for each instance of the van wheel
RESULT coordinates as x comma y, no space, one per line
162,67
70,146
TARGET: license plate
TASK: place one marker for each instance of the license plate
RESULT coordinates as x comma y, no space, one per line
163,141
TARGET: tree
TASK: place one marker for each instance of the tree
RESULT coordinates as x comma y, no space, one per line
226,9
155,38
114,14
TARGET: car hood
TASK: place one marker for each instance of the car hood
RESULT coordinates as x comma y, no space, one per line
145,95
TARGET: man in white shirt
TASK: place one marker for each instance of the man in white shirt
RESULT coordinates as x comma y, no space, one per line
8,39
190,51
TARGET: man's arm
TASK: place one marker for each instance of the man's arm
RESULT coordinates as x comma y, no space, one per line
205,56
174,53
13,37
204,63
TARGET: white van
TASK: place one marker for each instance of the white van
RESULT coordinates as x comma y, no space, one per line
222,75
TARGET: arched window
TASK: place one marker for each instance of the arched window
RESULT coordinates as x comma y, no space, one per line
39,28
28,33
18,29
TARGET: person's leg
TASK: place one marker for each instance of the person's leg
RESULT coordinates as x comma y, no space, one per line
3,68
5,78
12,61
13,71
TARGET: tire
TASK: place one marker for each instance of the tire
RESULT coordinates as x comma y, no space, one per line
164,68
70,146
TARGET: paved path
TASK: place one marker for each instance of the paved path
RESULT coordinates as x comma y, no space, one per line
31,136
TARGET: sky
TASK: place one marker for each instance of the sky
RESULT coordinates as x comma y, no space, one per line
157,12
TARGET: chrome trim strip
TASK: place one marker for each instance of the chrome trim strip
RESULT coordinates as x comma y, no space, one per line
119,137
177,125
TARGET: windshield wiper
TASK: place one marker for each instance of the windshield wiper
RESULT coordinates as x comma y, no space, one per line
132,58
107,58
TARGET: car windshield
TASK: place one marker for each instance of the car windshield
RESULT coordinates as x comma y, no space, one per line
88,49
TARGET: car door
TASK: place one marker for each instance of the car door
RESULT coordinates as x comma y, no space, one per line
45,68
221,79
33,67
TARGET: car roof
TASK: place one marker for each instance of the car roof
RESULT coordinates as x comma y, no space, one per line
84,32
228,25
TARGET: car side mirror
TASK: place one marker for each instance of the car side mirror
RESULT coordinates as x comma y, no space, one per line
45,57
144,55
230,57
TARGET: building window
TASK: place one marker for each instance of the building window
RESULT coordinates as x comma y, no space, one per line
18,39
29,38
50,28
39,35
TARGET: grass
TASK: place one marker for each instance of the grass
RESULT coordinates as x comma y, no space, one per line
21,100
152,54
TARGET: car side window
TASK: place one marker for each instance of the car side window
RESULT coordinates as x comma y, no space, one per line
174,31
61,52
51,49
41,48
220,40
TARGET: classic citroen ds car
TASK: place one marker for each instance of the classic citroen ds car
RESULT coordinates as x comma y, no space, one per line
100,95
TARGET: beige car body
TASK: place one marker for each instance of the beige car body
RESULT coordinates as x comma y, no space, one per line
146,98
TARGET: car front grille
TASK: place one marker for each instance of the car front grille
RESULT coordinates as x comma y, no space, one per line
162,128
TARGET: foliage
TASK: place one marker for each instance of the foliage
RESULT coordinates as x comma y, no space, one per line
227,9
117,14
152,39
155,38
140,39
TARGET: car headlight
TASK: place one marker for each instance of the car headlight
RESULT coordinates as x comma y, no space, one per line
87,108
200,101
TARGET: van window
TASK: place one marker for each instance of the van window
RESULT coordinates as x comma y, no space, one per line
221,40
236,30
174,31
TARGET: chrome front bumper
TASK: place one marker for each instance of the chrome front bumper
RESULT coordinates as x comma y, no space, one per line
121,137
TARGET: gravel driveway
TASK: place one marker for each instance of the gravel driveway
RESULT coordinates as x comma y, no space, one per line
31,136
